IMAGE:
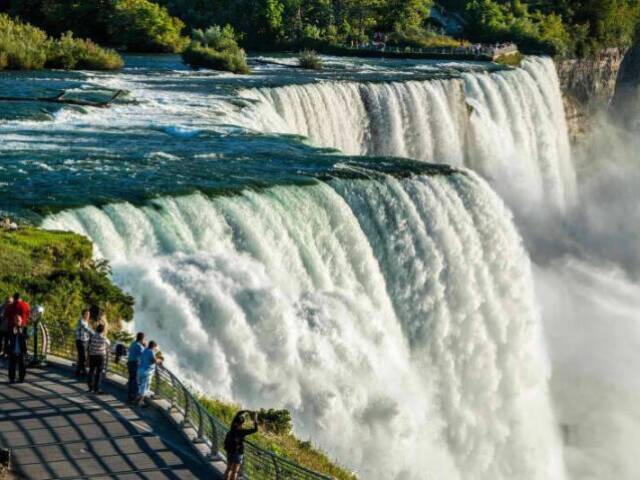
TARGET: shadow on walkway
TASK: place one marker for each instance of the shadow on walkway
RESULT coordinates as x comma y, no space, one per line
56,430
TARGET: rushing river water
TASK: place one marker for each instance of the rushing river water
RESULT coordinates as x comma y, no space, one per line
341,244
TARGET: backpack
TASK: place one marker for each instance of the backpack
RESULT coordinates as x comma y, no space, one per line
120,352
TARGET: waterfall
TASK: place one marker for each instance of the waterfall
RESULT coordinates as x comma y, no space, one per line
509,126
394,317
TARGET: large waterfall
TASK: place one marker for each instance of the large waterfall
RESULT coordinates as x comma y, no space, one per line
395,317
509,126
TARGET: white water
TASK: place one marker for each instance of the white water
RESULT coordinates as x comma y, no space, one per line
395,318
508,126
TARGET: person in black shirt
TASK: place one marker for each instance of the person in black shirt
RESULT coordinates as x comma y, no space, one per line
234,443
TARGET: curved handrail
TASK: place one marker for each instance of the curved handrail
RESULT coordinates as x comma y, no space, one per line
259,463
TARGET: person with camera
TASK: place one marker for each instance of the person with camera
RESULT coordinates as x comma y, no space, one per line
234,443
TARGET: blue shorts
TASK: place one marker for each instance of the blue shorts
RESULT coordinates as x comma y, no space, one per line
235,458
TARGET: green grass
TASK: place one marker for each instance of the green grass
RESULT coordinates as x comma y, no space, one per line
510,60
56,269
280,440
25,47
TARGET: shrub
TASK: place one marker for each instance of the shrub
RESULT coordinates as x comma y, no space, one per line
216,48
22,46
309,59
198,56
69,53
144,26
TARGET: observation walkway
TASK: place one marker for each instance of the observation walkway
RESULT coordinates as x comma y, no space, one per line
54,429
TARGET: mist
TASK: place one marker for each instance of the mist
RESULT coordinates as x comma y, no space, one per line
587,275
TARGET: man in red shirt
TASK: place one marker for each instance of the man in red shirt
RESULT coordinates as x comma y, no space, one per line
18,312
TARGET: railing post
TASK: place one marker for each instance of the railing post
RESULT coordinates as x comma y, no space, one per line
156,379
214,437
274,459
200,424
186,407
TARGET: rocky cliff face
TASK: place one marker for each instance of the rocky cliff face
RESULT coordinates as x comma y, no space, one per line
626,101
588,85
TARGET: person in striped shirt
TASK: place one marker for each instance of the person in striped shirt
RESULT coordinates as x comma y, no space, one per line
98,350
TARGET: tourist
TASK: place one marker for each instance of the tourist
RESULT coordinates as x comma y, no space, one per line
135,353
17,353
18,312
234,443
83,335
146,369
5,328
98,350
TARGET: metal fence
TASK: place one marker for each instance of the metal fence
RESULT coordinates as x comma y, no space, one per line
259,464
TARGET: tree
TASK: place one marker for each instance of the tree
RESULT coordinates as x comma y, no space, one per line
144,26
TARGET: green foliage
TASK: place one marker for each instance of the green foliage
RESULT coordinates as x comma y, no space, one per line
24,47
74,53
493,21
565,27
138,25
510,60
56,269
275,434
310,60
269,24
216,48
145,27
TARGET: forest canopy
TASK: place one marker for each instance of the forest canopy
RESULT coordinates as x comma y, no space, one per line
565,27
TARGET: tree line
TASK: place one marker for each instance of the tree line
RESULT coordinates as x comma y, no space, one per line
566,27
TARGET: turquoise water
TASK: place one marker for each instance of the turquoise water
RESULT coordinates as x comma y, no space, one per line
173,134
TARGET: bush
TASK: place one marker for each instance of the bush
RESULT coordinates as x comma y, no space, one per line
309,59
144,26
216,48
71,53
22,46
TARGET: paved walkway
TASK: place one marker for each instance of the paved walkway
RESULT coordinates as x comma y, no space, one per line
55,430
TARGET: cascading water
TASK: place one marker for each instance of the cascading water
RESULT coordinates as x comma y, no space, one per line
394,317
509,126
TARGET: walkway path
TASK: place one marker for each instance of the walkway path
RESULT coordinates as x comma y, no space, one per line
55,430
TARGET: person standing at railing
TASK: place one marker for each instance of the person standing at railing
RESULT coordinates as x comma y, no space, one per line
146,369
17,352
133,362
234,443
5,328
18,311
98,350
83,335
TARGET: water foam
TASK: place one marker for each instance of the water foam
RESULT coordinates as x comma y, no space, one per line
395,318
509,125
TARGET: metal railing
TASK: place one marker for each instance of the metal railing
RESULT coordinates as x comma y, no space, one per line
259,463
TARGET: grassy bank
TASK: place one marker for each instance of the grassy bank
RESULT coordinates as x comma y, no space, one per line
275,435
56,269
25,47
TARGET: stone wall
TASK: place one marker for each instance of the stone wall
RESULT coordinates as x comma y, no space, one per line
588,85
